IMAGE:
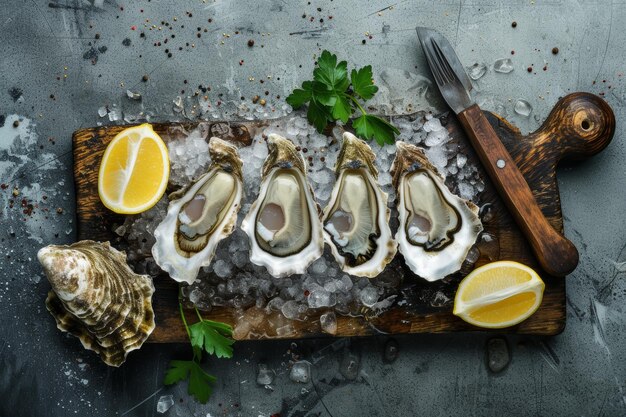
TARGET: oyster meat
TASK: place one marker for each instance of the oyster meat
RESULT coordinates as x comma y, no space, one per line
200,215
437,228
97,297
356,220
283,224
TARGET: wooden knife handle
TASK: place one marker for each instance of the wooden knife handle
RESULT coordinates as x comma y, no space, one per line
557,255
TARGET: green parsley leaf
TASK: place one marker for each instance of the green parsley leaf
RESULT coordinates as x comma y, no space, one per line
213,337
300,96
200,383
328,72
318,116
362,83
369,127
342,109
329,99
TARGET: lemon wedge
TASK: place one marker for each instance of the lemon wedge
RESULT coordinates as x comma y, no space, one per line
134,170
499,294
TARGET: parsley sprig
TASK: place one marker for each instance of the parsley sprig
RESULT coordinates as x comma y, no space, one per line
332,96
211,337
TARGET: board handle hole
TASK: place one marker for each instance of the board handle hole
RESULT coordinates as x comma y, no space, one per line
585,125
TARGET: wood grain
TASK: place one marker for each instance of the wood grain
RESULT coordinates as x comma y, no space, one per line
580,125
555,253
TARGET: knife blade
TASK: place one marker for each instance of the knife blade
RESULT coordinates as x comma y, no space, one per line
555,253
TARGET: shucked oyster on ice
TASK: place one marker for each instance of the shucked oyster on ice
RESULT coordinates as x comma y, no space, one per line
437,228
283,224
356,220
200,215
97,297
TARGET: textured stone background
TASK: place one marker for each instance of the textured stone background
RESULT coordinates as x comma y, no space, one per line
55,74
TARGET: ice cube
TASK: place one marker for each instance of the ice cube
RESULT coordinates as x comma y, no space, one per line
320,298
318,267
133,95
461,160
504,65
300,372
222,268
368,296
432,125
266,375
523,108
290,309
328,322
165,403
476,71
436,137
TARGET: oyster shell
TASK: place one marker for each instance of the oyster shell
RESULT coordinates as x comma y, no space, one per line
437,228
200,215
356,220
97,297
283,224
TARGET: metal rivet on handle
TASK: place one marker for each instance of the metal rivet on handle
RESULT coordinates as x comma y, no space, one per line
500,163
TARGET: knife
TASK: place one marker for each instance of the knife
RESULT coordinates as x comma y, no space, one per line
555,253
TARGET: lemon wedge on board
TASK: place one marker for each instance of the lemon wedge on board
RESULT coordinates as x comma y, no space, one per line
134,170
499,294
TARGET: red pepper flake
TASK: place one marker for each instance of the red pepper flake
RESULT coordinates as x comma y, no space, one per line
133,27
529,69
512,52
306,293
4,186
241,62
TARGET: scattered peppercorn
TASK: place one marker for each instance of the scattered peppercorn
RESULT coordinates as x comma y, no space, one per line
16,123
97,36
59,210
555,50
255,99
514,24
363,41
251,43
262,102
529,69
145,78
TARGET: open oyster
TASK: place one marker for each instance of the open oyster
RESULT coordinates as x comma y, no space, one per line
283,224
356,220
96,297
437,228
200,215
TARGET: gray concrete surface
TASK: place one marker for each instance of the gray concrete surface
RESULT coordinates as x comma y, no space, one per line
46,53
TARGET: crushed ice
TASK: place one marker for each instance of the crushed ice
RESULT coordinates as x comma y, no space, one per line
231,280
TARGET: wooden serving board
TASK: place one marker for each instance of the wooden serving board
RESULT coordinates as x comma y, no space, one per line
580,125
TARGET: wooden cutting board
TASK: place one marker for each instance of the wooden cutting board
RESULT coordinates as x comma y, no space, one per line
580,125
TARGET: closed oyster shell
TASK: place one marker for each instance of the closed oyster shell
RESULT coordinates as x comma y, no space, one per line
356,220
283,224
97,297
200,215
437,228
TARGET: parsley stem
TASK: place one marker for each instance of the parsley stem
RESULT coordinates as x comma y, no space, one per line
355,101
182,313
198,313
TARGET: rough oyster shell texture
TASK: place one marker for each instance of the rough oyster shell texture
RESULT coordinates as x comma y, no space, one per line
356,220
97,297
283,224
200,215
437,228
